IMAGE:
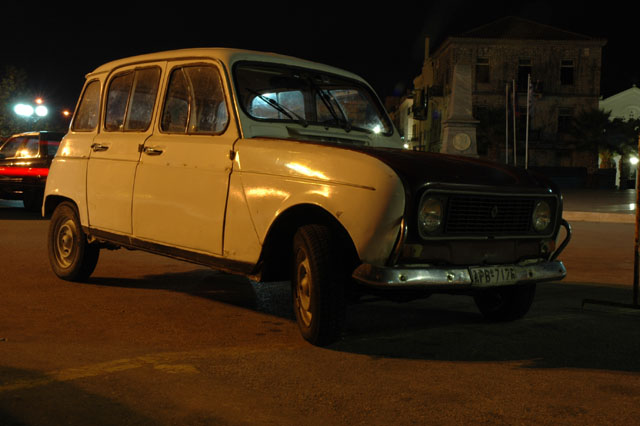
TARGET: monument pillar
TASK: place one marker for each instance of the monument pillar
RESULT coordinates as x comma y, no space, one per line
459,128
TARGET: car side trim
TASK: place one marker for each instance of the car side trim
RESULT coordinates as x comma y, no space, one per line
226,265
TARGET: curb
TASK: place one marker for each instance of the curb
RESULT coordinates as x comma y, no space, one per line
599,217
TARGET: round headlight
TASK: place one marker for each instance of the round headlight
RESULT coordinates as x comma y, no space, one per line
541,216
429,216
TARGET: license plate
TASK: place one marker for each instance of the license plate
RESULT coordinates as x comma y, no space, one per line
493,275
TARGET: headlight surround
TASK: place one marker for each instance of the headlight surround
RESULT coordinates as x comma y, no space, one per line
430,216
541,218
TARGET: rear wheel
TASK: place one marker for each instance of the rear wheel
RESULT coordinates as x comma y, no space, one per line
70,254
505,303
318,285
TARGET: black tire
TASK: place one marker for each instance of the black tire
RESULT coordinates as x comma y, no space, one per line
71,256
318,285
505,303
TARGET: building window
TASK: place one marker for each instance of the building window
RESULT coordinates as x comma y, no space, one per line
566,72
482,70
565,119
524,71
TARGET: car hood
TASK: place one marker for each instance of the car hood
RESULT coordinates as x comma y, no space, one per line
419,169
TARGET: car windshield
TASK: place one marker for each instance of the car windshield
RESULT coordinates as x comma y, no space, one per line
278,93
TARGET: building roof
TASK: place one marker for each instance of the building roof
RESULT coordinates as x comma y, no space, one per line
633,91
512,27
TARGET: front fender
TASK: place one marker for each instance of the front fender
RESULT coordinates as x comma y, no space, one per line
362,193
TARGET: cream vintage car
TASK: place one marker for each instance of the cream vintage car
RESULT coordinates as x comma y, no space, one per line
283,169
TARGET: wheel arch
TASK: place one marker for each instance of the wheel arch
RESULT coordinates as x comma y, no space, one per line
53,201
275,259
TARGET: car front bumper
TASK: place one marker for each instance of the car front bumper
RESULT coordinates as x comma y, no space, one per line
458,277
467,276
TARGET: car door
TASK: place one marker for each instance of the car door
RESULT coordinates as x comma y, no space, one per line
182,179
129,104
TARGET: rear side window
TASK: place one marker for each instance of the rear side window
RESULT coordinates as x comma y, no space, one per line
194,102
130,100
86,118
51,147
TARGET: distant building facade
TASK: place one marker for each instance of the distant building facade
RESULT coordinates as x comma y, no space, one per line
624,105
465,84
400,110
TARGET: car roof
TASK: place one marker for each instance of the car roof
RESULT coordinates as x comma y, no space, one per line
37,133
226,55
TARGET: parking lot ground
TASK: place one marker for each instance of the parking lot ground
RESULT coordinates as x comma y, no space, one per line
153,341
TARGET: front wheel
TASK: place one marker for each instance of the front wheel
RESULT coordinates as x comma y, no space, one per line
505,303
318,285
71,256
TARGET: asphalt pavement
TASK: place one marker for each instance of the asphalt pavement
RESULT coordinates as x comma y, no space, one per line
599,205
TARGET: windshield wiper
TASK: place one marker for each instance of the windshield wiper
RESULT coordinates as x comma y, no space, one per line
327,98
280,108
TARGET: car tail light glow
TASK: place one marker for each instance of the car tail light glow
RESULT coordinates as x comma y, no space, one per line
24,171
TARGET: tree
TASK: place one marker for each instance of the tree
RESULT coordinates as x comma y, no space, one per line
12,83
595,130
13,90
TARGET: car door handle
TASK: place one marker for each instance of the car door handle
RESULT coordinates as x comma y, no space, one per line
96,147
149,150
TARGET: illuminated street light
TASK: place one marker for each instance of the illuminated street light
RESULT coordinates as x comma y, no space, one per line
41,111
23,110
633,160
26,110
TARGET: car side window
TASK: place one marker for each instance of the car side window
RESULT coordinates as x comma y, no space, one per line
117,98
31,148
86,119
195,102
130,100
143,98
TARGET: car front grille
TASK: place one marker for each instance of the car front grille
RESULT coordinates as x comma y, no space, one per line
488,215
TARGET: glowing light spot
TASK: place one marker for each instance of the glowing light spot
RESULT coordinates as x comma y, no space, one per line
377,129
267,192
23,110
302,169
41,111
633,160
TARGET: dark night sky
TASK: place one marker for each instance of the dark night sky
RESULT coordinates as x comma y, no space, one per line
384,44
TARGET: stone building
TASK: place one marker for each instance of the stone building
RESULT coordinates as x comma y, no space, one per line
465,84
